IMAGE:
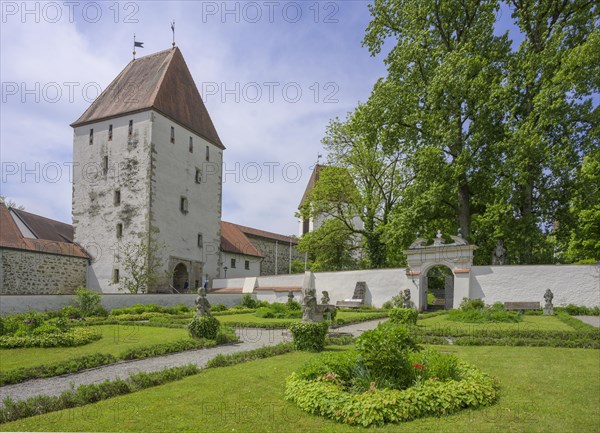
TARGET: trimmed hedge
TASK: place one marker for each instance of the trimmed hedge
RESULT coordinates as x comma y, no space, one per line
204,327
574,323
86,394
309,336
98,359
327,398
250,355
404,316
71,337
72,365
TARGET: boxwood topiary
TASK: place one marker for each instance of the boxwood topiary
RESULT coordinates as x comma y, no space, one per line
204,327
309,336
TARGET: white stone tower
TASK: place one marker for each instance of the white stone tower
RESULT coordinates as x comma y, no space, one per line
147,172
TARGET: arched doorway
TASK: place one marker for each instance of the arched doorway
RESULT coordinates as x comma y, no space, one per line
457,257
180,278
439,281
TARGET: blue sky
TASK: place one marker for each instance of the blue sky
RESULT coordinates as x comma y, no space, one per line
55,58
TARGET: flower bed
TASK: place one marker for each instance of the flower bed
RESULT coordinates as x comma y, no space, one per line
325,397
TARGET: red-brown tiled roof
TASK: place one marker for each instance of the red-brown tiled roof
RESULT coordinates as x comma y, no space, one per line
233,240
45,228
267,235
159,81
11,237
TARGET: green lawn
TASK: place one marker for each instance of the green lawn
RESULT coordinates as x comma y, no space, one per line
542,390
115,339
541,323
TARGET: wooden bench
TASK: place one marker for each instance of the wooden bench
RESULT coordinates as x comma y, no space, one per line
521,306
358,298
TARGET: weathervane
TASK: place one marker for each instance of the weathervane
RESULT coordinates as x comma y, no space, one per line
135,45
173,30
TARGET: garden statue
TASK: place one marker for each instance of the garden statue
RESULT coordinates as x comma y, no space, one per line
202,304
290,296
406,302
548,308
309,299
499,254
325,297
438,241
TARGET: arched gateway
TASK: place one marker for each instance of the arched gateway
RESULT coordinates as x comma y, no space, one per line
457,256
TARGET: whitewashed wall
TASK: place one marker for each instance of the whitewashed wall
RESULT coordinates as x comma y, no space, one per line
571,284
10,304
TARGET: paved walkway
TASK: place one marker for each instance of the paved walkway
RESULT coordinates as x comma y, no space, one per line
251,338
590,320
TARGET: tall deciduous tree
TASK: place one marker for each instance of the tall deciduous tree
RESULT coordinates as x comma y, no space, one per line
360,187
551,79
441,104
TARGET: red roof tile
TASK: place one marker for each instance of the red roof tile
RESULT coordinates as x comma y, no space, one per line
234,241
267,235
45,228
11,237
159,81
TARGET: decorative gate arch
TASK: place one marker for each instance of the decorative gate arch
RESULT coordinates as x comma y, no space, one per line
457,256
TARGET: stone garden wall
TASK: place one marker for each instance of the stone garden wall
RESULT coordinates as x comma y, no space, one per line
270,249
28,272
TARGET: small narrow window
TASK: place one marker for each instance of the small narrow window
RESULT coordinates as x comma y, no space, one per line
117,199
109,132
115,276
247,265
92,136
207,153
191,146
183,204
119,231
200,240
198,176
233,263
105,164
172,134
130,133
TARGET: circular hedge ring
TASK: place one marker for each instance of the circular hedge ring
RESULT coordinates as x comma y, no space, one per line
326,397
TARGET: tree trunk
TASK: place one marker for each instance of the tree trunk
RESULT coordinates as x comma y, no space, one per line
464,208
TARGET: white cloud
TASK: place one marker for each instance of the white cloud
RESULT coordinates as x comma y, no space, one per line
216,52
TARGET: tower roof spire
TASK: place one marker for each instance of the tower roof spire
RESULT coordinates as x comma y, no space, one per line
159,81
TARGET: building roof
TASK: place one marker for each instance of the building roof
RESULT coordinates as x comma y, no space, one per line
159,81
45,228
233,240
267,235
11,236
314,177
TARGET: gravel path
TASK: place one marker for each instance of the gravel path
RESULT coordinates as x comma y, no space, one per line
251,338
590,320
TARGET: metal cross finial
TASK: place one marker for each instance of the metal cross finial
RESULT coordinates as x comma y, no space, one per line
173,30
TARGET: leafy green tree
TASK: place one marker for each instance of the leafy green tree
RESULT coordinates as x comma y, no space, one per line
551,79
584,236
330,247
442,106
